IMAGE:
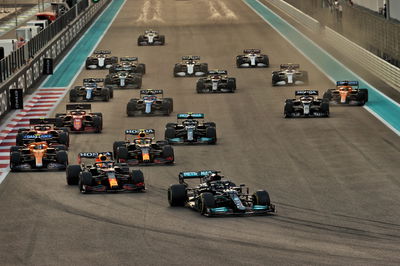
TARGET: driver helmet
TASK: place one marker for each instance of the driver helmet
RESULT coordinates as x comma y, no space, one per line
214,177
101,158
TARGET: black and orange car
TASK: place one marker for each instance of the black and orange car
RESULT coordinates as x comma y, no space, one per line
38,155
142,149
104,175
45,130
347,92
80,118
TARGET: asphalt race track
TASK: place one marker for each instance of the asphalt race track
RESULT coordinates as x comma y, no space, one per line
335,181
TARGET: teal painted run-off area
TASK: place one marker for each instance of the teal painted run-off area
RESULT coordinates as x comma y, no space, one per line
379,104
72,63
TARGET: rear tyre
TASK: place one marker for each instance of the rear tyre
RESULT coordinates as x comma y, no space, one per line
73,94
288,109
131,107
97,124
62,158
72,173
200,86
64,138
231,84
15,159
116,145
141,68
169,133
105,94
122,153
325,107
177,195
162,39
19,141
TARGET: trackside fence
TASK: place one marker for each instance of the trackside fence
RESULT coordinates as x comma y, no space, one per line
23,68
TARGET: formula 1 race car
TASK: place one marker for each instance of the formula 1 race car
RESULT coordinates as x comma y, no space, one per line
45,130
190,67
252,58
100,60
150,104
104,175
289,74
38,155
191,130
123,79
91,91
216,196
151,37
129,64
142,149
79,118
216,81
347,92
306,105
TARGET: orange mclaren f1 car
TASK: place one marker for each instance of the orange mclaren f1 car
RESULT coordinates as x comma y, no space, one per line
38,155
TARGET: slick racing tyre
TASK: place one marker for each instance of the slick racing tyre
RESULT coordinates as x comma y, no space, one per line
15,160
177,195
73,94
72,173
261,197
131,107
118,144
169,133
288,109
62,158
211,132
64,138
85,179
206,201
200,86
105,94
137,177
141,69
122,153
325,107
168,153
98,124
231,84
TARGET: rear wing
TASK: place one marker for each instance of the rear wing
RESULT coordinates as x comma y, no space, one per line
190,116
193,175
135,132
86,106
293,66
151,92
128,59
217,72
190,57
306,92
102,52
94,155
92,80
123,68
346,83
38,136
42,121
251,51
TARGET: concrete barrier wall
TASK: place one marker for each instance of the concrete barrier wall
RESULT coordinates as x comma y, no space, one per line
384,70
296,14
